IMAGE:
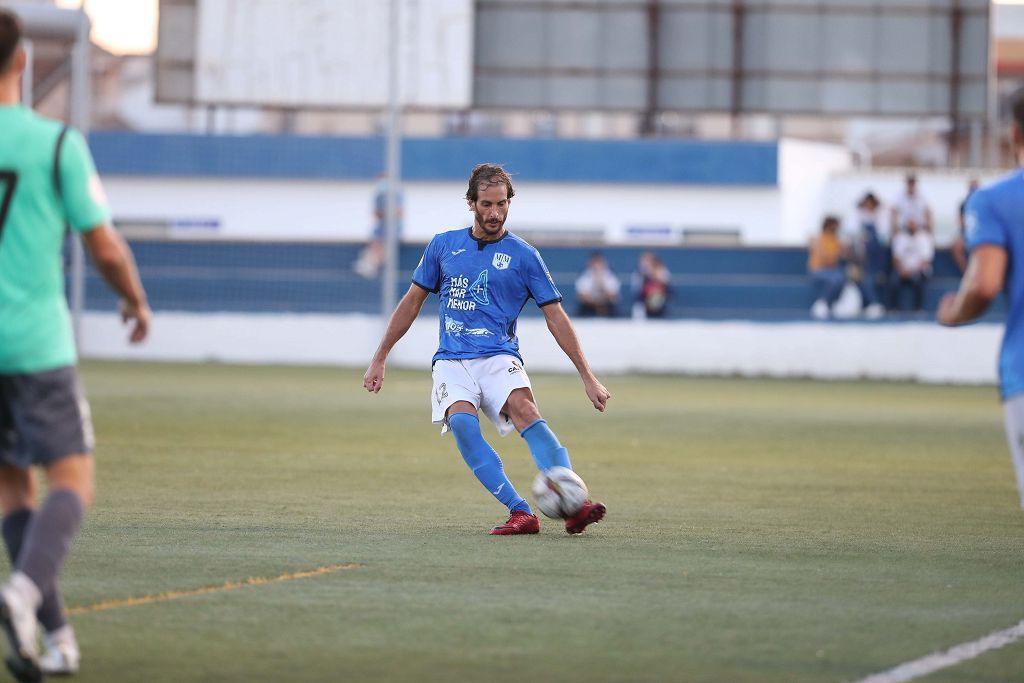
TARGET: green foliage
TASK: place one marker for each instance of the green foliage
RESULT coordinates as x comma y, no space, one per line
757,531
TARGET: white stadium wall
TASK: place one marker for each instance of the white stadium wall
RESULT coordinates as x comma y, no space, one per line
762,196
918,351
236,208
814,179
342,210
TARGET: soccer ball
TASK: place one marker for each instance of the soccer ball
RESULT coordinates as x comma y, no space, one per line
559,492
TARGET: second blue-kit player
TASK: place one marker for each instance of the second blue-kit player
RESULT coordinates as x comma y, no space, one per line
483,276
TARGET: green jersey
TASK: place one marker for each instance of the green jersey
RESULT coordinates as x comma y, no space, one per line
35,325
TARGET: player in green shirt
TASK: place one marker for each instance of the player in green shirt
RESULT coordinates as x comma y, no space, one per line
48,184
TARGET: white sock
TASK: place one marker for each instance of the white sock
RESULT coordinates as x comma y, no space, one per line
26,589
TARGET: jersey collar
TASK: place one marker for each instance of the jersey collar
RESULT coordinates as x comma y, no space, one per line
480,244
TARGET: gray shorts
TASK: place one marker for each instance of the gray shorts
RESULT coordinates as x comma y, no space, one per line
43,417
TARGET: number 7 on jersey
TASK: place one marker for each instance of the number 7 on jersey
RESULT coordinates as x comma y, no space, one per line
9,179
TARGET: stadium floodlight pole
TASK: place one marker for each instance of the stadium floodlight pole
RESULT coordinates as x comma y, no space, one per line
389,285
79,118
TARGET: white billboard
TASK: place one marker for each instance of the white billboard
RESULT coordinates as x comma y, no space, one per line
331,53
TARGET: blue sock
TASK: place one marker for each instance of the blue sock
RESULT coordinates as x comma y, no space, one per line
484,461
547,452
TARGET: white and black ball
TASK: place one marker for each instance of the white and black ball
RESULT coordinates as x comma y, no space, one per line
559,492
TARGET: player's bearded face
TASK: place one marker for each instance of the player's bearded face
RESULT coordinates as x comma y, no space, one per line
490,210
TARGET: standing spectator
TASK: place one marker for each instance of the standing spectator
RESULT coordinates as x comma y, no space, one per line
597,288
823,263
912,254
652,278
958,249
372,257
871,254
911,206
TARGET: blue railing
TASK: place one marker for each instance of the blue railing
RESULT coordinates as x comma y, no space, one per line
271,277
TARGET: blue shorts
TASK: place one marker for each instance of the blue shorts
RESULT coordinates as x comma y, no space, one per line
43,417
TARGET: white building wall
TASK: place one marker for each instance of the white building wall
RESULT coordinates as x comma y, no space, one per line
805,172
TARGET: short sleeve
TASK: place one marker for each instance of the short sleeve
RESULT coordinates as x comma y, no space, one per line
981,223
85,202
428,273
539,282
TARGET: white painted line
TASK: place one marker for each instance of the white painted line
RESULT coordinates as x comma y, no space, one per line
951,657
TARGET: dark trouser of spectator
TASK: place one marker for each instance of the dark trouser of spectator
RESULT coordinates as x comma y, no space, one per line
915,283
592,310
876,258
828,284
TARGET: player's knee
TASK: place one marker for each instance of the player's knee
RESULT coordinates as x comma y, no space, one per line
17,489
74,473
523,411
464,425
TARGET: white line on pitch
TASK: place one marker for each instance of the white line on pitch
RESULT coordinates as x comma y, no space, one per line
951,657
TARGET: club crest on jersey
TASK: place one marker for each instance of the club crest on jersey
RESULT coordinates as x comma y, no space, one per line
501,261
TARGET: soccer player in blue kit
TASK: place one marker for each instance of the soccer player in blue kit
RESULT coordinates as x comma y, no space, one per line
484,275
994,228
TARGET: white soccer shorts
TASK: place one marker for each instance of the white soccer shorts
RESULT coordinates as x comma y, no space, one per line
484,382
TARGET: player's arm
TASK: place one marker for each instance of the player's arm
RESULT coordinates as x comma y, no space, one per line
562,330
401,320
114,261
982,282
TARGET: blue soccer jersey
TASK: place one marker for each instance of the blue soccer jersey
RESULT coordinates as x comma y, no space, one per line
995,215
483,286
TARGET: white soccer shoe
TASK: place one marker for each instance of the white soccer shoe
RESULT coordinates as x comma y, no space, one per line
60,652
18,602
874,312
819,311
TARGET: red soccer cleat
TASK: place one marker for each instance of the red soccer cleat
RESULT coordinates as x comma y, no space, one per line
590,513
519,522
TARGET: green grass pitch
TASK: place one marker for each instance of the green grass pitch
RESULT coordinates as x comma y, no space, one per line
765,530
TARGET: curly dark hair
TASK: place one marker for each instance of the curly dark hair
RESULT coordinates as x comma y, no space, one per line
10,37
487,175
